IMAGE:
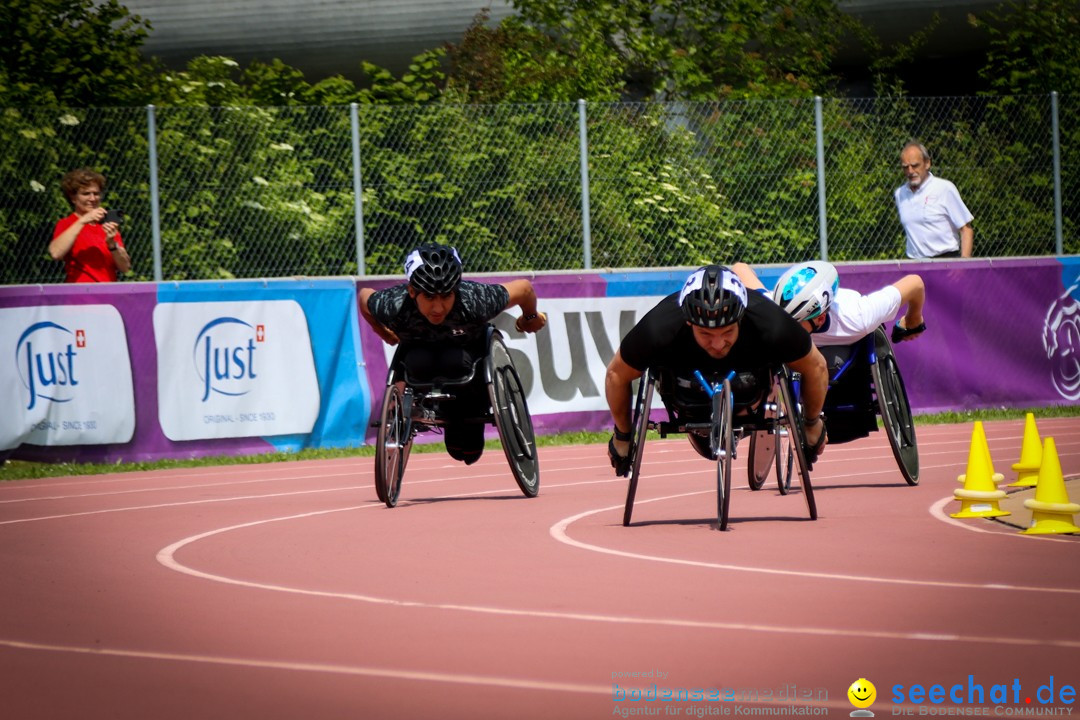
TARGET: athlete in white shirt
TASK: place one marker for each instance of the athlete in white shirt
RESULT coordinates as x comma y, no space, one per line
935,219
811,294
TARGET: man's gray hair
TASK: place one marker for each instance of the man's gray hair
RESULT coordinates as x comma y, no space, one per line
917,144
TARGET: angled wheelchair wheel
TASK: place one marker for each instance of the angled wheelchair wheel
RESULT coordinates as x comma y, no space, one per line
642,408
724,435
512,418
790,419
393,444
895,410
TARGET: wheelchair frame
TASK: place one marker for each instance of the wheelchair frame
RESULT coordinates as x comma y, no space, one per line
411,407
724,429
887,398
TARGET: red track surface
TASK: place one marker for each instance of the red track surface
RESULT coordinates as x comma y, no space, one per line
287,591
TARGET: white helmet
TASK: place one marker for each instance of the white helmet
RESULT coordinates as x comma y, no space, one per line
806,290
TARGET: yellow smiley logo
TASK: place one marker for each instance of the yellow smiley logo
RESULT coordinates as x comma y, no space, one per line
862,693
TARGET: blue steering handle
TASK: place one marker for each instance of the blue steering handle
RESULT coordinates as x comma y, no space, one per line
712,389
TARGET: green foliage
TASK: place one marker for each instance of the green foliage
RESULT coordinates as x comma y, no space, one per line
76,53
477,145
1033,47
517,62
705,49
1033,50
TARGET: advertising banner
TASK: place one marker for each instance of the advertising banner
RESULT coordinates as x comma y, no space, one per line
234,369
69,381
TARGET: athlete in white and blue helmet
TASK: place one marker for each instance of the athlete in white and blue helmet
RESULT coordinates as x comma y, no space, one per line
833,315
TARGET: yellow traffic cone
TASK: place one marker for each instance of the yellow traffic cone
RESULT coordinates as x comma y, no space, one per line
1051,511
1027,470
996,477
979,497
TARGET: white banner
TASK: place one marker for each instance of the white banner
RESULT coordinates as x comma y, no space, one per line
563,366
234,369
70,383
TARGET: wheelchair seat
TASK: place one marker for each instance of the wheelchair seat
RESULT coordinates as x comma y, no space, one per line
685,398
849,404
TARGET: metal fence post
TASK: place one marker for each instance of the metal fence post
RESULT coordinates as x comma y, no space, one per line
1058,234
358,188
823,228
583,144
155,200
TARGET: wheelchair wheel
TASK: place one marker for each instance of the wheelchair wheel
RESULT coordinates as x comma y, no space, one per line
762,457
785,460
393,445
790,419
637,444
895,410
724,435
512,418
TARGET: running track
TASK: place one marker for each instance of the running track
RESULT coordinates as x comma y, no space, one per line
286,591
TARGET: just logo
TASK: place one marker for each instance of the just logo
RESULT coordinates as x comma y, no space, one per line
46,363
224,355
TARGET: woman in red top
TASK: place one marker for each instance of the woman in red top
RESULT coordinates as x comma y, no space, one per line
92,251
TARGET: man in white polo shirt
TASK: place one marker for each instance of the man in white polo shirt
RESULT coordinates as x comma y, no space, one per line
935,219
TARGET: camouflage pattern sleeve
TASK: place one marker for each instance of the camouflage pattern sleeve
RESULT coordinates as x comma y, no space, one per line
385,305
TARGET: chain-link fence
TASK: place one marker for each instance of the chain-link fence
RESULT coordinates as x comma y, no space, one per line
270,192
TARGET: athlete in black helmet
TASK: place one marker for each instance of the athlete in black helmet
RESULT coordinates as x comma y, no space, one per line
714,326
441,321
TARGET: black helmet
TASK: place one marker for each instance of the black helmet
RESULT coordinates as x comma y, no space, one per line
434,269
712,297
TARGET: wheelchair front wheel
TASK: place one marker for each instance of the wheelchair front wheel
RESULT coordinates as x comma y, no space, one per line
895,410
724,434
512,419
393,445
637,446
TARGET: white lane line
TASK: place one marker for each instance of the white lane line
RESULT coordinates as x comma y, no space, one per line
180,504
937,510
167,557
559,532
332,668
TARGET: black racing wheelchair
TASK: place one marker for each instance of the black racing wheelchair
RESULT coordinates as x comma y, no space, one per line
773,414
411,407
864,381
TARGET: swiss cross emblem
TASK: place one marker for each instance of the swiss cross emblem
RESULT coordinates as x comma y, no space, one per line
80,338
260,333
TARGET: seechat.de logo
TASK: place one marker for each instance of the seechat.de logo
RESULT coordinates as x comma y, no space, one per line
45,357
224,356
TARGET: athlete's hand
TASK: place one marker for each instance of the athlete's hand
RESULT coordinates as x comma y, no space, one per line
388,335
816,439
531,323
618,452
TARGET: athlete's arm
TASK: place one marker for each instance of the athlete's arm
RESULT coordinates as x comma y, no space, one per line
913,294
815,383
617,384
749,278
388,335
523,295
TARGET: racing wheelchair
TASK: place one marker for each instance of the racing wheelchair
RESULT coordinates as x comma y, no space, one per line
411,407
774,414
864,381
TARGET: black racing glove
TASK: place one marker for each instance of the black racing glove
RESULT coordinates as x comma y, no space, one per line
620,463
